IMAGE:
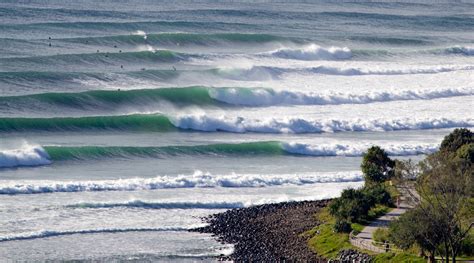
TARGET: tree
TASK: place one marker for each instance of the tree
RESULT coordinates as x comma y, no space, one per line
456,139
376,165
412,228
444,214
445,186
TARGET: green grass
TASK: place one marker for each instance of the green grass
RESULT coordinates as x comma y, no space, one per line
395,258
327,243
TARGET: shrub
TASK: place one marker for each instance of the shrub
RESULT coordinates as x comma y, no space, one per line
378,194
351,206
342,225
381,235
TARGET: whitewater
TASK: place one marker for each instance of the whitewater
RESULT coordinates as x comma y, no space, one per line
121,127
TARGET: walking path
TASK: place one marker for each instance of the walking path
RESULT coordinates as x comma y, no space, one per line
408,199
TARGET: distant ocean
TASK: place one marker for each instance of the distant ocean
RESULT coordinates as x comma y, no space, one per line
122,123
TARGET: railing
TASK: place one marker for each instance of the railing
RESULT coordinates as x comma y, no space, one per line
368,244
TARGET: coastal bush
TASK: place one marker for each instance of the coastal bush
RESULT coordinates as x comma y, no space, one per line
376,166
453,141
351,206
342,226
466,152
354,204
381,235
378,194
441,223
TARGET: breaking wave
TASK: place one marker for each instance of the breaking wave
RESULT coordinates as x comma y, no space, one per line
460,50
198,95
356,149
302,125
227,149
268,97
202,122
313,52
197,180
27,155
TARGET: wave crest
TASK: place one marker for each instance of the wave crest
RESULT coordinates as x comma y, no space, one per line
313,52
302,125
269,97
197,180
26,155
460,50
356,149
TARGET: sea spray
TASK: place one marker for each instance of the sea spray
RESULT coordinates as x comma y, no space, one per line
26,155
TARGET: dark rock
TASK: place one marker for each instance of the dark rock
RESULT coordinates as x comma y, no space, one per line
352,256
267,233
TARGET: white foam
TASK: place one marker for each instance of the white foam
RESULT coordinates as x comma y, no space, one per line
464,50
268,97
261,73
26,155
52,233
356,149
140,33
203,122
351,71
197,180
313,52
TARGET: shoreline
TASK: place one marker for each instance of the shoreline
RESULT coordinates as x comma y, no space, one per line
269,232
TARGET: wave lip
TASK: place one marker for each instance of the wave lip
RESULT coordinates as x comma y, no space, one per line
355,150
197,180
269,97
162,205
313,52
302,125
26,155
54,233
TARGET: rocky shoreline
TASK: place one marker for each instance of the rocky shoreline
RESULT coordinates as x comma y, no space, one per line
267,233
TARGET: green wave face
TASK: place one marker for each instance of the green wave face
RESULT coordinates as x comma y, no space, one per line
59,153
189,95
164,56
136,122
179,38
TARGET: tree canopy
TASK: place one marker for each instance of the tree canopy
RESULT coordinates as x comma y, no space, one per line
376,165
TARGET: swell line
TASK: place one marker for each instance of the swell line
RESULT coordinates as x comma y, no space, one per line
205,123
53,233
200,95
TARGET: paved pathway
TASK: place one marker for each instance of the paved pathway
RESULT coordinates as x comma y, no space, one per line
364,239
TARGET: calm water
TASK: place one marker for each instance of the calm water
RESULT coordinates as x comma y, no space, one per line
123,123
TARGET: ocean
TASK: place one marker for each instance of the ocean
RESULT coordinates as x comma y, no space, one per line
123,123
